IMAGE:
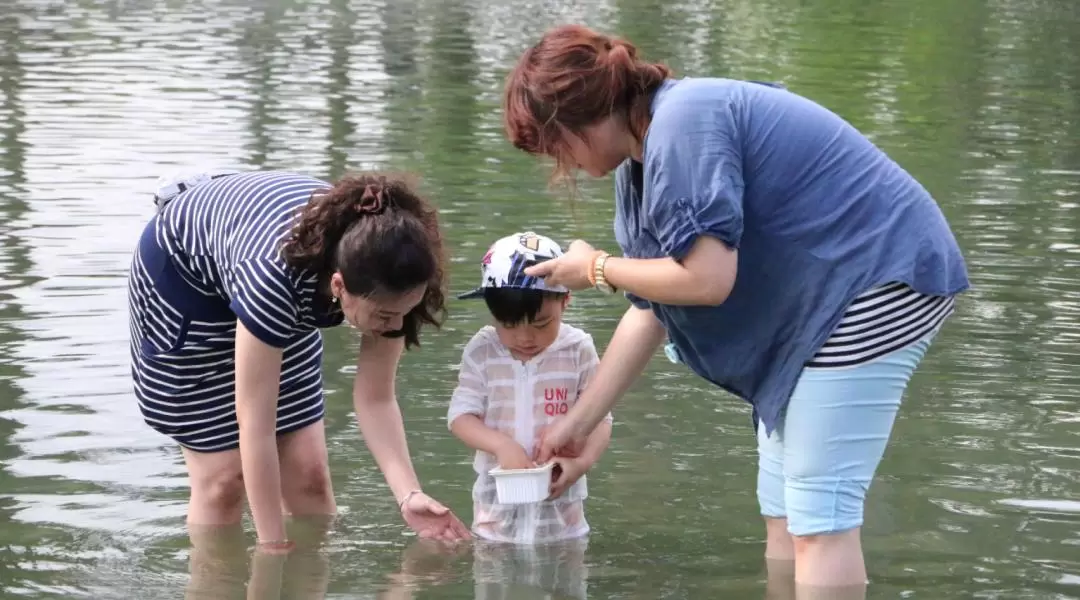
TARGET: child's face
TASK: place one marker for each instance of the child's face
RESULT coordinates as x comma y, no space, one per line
527,339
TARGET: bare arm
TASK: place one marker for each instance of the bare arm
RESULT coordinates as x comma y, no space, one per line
378,413
468,404
472,431
258,377
574,468
636,339
596,444
705,277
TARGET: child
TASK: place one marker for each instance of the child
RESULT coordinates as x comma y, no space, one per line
517,375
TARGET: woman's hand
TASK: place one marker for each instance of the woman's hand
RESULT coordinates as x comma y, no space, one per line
571,269
572,450
563,438
567,472
432,520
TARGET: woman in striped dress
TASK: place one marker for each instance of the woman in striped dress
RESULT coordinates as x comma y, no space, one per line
230,284
787,259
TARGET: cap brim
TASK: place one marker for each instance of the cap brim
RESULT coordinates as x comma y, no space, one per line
477,293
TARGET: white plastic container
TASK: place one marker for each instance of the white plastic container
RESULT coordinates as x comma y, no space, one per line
523,486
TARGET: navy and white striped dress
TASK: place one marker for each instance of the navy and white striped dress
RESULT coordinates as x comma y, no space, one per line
209,257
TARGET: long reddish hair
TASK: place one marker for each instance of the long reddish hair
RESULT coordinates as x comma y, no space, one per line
572,78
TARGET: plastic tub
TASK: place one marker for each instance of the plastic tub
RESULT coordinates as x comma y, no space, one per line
523,486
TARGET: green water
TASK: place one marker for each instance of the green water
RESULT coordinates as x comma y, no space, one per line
978,496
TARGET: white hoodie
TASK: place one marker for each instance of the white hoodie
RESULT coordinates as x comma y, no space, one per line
519,399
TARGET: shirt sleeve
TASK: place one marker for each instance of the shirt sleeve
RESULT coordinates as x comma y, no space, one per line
263,297
694,176
626,224
470,395
588,363
638,301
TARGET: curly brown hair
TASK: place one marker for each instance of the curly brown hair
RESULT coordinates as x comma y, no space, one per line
381,236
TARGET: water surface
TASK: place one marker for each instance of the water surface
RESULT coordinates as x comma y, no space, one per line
977,496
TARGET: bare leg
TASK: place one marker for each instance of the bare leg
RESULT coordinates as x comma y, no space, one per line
779,560
832,561
305,473
778,543
217,487
219,550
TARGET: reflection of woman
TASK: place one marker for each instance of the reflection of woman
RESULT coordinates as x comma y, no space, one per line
229,286
788,259
220,567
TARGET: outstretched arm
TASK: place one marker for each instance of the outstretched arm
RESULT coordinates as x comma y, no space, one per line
381,425
636,339
378,414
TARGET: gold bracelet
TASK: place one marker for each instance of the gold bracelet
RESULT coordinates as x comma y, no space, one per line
599,278
591,273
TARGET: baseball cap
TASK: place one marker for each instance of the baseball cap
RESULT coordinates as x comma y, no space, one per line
503,266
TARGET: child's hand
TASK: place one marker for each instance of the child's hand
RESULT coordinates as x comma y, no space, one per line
512,456
566,472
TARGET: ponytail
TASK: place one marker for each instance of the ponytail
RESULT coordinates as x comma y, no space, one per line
572,78
381,236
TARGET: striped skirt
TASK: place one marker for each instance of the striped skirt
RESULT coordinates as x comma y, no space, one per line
182,358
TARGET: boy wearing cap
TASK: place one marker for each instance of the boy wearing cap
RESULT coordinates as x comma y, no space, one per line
517,375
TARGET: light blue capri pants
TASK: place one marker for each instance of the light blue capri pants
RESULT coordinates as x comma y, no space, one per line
816,467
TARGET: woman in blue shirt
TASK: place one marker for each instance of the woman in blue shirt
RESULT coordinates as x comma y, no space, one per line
786,259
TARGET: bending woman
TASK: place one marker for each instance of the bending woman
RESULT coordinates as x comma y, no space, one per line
230,284
786,258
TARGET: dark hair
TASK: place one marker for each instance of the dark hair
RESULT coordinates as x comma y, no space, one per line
381,236
572,78
511,306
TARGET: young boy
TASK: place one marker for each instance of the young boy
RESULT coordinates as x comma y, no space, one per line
517,376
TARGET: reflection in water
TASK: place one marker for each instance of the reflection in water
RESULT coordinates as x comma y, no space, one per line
222,570
341,37
506,572
981,100
424,564
498,571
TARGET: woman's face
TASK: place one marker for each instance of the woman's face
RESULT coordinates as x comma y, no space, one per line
379,313
601,147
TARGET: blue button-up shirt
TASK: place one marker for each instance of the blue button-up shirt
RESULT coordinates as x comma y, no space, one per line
817,212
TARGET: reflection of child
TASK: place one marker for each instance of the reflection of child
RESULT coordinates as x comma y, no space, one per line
516,377
520,572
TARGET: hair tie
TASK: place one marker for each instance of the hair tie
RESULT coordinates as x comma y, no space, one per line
371,201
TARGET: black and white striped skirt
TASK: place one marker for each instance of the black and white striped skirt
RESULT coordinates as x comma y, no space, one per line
182,358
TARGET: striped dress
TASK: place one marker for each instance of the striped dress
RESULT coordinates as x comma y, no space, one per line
209,257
